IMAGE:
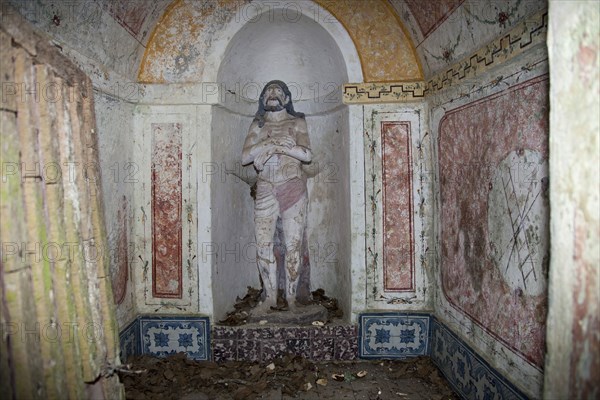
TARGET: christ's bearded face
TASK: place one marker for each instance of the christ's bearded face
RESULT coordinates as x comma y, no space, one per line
274,98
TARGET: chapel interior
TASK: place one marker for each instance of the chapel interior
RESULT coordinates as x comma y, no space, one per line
453,190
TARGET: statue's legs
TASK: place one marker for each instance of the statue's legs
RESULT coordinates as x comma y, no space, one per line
266,212
294,222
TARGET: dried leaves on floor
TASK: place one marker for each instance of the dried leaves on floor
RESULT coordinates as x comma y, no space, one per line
243,307
177,377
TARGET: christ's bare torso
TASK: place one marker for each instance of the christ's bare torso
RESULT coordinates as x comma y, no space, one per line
280,168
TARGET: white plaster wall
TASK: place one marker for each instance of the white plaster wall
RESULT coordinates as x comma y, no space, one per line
119,172
203,121
357,203
301,53
329,206
231,250
267,11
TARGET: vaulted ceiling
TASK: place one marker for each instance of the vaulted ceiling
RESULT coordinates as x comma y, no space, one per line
168,40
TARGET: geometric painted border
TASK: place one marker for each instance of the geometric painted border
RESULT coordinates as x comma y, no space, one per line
162,336
468,374
524,36
393,335
382,92
529,33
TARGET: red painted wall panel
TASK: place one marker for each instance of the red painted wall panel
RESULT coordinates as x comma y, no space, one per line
398,262
166,210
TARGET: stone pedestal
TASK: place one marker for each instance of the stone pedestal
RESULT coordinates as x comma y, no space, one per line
295,316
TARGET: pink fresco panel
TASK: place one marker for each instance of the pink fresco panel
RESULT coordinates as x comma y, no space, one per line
398,266
166,210
473,142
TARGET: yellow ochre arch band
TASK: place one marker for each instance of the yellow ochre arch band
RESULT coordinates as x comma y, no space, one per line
385,50
386,54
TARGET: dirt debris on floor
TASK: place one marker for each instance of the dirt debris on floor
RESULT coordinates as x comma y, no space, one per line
179,378
243,307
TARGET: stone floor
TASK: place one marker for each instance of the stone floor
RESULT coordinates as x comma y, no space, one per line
289,377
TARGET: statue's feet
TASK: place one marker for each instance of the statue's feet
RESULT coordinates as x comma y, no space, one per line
302,302
265,307
281,305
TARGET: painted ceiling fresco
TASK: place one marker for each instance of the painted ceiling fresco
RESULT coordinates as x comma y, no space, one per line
182,38
430,14
138,17
386,52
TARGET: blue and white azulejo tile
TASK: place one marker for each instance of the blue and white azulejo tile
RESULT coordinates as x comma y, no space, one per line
169,335
392,335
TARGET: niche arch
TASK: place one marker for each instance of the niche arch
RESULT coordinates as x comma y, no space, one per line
315,59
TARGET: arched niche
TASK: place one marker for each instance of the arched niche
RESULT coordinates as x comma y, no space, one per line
315,60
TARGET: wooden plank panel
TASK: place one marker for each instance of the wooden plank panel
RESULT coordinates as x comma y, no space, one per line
9,88
36,231
58,251
15,289
71,214
42,287
91,250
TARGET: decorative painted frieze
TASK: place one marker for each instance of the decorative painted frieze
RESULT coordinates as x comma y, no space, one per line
384,92
529,33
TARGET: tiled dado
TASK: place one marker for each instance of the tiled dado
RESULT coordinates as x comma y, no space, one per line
393,335
378,336
262,344
162,336
129,340
401,335
469,374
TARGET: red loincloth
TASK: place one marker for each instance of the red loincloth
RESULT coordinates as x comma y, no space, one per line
289,193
